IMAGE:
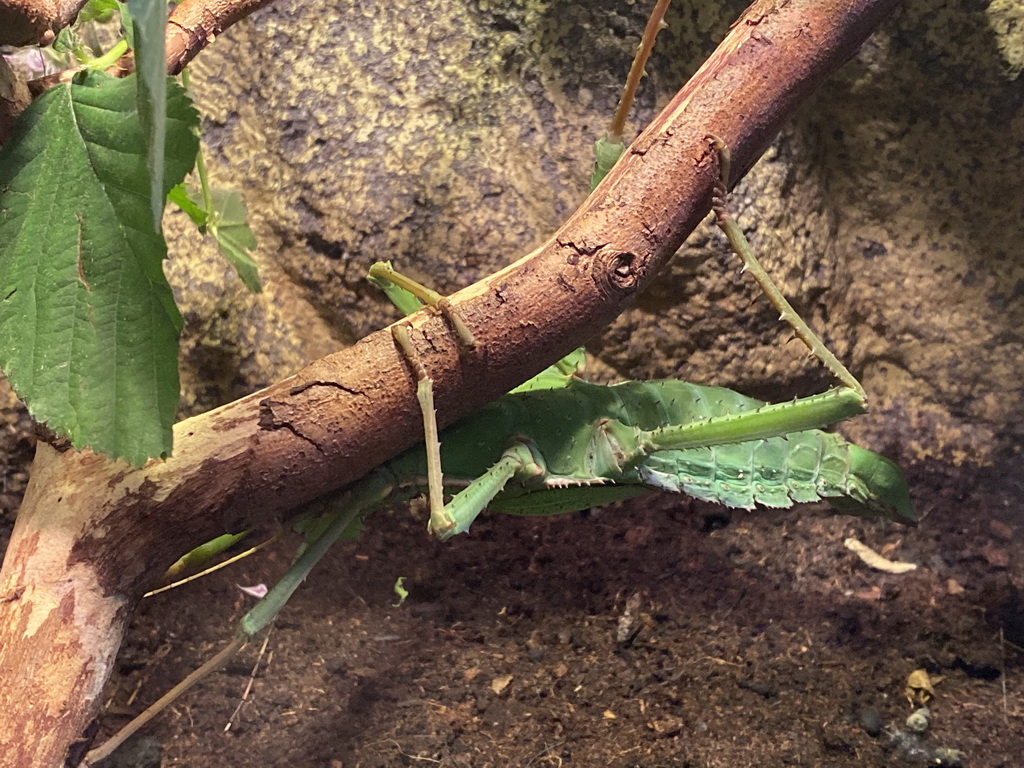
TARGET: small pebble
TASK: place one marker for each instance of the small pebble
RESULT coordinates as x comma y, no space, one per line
429,611
919,720
630,622
948,758
336,665
871,721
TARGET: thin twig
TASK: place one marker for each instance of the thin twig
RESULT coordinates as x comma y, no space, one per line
104,751
212,568
248,686
636,70
1002,664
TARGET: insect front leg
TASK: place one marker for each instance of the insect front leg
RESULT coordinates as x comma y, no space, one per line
440,522
519,461
456,516
771,420
405,292
388,278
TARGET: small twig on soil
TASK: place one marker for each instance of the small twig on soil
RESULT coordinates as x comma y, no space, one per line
1002,665
249,685
546,751
406,754
107,748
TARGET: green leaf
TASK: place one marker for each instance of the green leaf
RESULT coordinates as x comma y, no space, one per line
96,10
149,21
234,238
88,324
400,591
67,41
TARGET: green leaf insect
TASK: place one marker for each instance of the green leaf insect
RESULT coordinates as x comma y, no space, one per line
554,450
227,223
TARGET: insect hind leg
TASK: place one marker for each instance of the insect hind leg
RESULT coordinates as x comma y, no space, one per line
741,246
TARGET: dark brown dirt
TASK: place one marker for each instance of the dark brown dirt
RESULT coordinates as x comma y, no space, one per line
759,641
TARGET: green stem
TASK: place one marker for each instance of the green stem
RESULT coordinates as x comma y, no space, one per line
201,164
109,58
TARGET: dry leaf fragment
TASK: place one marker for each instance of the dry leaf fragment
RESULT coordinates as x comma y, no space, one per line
875,560
500,683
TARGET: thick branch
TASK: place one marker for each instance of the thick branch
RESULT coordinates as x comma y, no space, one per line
93,533
195,23
35,22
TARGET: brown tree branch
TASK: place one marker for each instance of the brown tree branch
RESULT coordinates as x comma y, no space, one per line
195,23
93,533
35,22
192,26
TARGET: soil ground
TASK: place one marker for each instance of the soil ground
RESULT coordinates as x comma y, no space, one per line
657,633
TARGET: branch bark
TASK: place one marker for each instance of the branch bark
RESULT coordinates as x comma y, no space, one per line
35,22
195,23
191,26
93,533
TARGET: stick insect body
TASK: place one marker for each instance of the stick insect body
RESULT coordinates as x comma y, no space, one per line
563,448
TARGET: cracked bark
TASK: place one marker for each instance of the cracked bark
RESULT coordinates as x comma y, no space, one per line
93,533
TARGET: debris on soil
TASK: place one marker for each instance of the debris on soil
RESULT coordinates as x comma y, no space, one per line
920,687
919,720
749,647
875,560
630,622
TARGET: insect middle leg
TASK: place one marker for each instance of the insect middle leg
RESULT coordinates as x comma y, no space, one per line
384,275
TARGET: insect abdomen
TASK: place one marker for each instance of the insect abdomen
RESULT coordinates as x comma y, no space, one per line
806,466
